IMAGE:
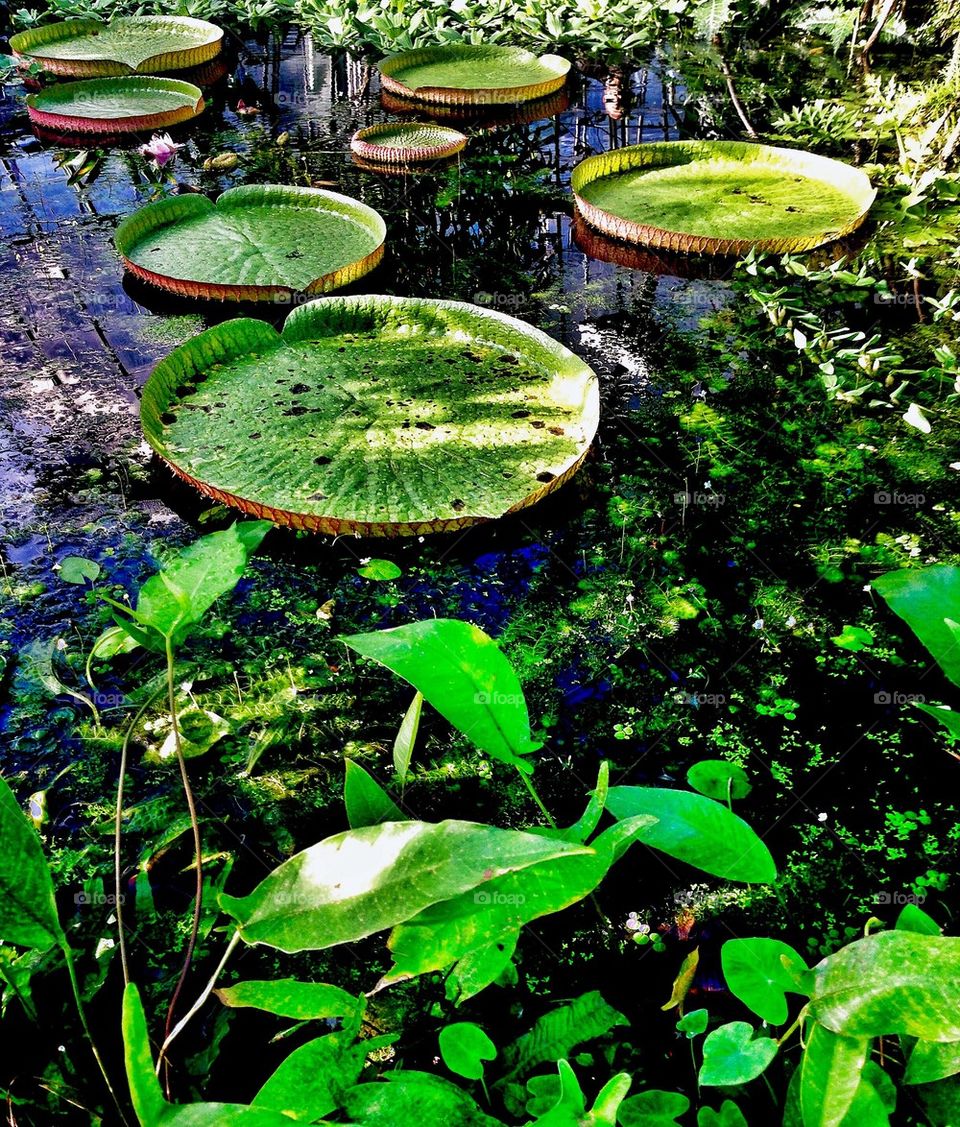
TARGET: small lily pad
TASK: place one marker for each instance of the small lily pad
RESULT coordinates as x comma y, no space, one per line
732,1055
78,569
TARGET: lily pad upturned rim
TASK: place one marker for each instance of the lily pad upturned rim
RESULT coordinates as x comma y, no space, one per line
660,154
483,117
44,112
327,316
177,209
425,142
29,45
554,70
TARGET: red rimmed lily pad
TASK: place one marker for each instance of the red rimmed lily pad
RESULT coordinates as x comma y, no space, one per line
114,105
472,74
720,197
85,48
381,416
406,142
264,242
483,116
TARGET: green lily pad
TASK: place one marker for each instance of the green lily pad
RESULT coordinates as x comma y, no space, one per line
384,416
127,45
406,142
115,105
472,74
733,1055
257,243
720,197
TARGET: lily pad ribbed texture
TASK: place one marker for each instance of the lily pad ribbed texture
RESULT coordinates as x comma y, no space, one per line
463,73
259,242
720,197
406,142
127,45
383,416
115,105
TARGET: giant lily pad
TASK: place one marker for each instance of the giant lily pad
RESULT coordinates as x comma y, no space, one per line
406,142
482,116
126,45
720,197
115,105
259,242
383,416
472,74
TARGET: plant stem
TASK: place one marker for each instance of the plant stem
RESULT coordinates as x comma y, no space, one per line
197,844
528,782
205,994
117,828
75,987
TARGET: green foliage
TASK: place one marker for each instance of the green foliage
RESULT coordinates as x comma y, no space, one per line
28,913
462,673
716,778
464,1047
288,998
761,972
697,830
928,600
653,1108
366,801
732,1054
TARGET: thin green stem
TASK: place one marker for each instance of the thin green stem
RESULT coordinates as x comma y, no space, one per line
117,831
197,844
75,987
528,783
205,994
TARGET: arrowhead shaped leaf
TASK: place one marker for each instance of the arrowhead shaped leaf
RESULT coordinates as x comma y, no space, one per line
754,972
653,1108
461,671
925,598
697,830
28,912
732,1055
729,1115
367,880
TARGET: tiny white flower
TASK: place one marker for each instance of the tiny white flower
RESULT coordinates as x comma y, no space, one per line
821,817
791,622
758,625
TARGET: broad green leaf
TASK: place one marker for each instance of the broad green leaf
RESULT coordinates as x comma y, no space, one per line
948,717
464,1047
381,570
891,982
480,967
287,997
729,1115
754,972
406,738
363,881
732,1055
609,1100
653,1108
28,912
453,928
151,1108
114,640
830,1074
925,597
463,674
698,831
311,1081
78,569
555,1033
853,638
367,803
177,597
912,918
570,1107
869,1108
694,1023
407,1097
114,98
718,779
932,1060
684,980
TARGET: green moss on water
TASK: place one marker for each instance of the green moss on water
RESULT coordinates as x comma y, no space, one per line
724,200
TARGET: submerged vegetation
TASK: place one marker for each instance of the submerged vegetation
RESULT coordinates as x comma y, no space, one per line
635,809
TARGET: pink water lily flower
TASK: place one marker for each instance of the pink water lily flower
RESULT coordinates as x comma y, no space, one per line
161,149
